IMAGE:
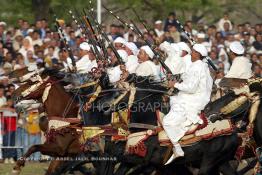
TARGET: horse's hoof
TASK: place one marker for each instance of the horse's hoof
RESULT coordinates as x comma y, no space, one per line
15,172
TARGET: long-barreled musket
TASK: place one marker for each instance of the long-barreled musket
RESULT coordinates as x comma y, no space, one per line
103,47
140,20
139,33
63,39
104,35
86,31
101,40
192,42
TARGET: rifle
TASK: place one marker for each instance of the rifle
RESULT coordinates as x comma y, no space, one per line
104,35
63,39
138,32
140,20
89,34
192,42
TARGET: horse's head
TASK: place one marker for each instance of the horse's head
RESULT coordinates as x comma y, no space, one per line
213,109
18,73
235,102
30,90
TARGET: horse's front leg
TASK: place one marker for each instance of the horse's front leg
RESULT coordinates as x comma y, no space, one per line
53,167
47,149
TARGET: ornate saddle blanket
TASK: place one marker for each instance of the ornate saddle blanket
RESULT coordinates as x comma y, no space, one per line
120,121
212,130
58,123
135,141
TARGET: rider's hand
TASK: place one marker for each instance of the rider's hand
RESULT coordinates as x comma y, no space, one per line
171,84
124,75
123,68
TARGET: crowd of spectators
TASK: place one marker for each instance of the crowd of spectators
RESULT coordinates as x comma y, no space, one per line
38,44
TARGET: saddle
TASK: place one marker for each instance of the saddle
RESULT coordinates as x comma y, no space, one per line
198,132
207,130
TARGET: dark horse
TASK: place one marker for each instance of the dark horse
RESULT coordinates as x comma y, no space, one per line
241,113
209,155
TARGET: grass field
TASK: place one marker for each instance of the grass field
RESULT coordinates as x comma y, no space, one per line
39,169
29,169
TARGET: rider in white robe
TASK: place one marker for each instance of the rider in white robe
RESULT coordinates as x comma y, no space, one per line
194,94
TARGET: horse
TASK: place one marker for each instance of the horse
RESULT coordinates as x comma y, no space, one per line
58,144
240,112
139,117
62,106
146,117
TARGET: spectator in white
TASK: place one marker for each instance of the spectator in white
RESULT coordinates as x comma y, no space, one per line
147,67
194,94
226,30
36,40
201,39
17,40
2,97
241,66
87,60
7,67
66,61
222,21
27,45
223,57
120,43
31,61
159,28
130,35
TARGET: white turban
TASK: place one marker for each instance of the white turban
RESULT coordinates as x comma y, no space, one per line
132,46
84,46
184,46
201,35
175,47
120,40
114,74
148,51
200,48
158,22
237,48
123,54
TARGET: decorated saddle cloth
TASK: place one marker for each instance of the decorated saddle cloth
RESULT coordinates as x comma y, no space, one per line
92,137
117,129
196,133
135,141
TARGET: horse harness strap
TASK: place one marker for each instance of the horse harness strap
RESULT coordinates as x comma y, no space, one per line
87,85
33,87
142,126
46,92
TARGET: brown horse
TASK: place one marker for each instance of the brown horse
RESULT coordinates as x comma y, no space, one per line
57,103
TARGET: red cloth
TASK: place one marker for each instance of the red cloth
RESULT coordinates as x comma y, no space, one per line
9,123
